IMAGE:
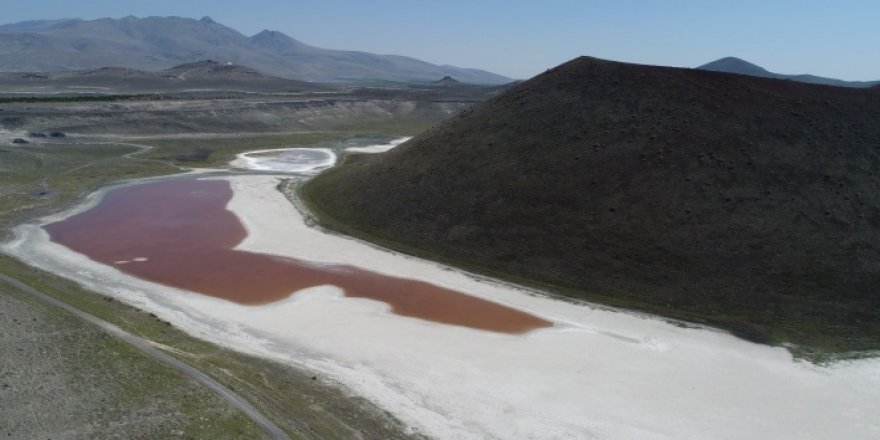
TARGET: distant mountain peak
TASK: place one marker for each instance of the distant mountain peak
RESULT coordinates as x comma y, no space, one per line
733,60
266,33
208,20
737,65
447,81
278,42
742,67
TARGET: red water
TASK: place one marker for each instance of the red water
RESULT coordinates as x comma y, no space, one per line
186,235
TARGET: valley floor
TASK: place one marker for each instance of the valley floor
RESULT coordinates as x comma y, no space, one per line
598,373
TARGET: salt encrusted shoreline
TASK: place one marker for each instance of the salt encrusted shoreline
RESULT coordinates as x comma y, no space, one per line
378,148
598,374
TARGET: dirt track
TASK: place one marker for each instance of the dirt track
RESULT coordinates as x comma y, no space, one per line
150,349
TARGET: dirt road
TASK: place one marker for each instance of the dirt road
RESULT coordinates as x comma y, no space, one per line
150,349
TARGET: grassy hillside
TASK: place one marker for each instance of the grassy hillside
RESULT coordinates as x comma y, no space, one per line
747,203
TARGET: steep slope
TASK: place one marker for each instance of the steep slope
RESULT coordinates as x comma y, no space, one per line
155,43
748,203
742,67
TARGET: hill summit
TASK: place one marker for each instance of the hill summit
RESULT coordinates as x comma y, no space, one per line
748,203
739,66
742,67
447,81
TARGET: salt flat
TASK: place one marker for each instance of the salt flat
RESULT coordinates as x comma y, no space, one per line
286,160
598,373
301,160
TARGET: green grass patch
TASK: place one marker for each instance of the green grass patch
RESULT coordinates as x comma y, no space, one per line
39,178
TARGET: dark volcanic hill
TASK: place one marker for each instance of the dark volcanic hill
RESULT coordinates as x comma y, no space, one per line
748,203
447,81
198,76
156,43
742,67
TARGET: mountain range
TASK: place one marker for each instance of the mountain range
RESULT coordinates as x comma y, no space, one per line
748,203
157,43
742,67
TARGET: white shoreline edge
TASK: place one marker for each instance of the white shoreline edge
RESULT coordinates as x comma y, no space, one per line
605,374
379,148
245,161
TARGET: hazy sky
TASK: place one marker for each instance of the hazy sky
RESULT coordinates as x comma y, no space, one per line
521,38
